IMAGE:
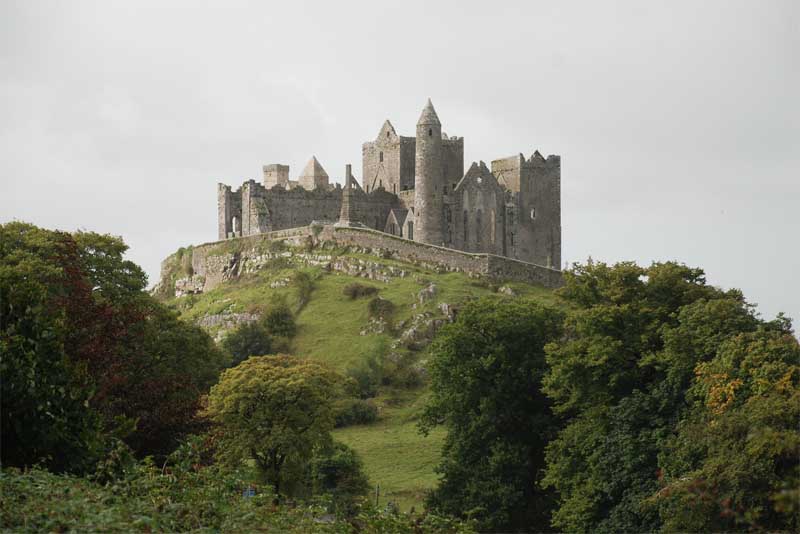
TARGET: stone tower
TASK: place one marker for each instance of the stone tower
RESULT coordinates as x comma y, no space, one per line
429,180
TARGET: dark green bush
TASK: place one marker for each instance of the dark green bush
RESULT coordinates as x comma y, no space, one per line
356,290
381,308
355,412
279,321
249,339
339,472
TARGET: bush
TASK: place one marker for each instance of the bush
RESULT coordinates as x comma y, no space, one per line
340,473
356,290
368,375
249,339
355,412
381,308
304,285
279,321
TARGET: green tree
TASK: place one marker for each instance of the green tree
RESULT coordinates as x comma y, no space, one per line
734,464
337,470
249,339
86,353
633,337
276,410
486,371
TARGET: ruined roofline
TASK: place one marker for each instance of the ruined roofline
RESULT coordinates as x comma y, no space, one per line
536,159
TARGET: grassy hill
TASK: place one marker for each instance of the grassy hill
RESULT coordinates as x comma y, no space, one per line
339,331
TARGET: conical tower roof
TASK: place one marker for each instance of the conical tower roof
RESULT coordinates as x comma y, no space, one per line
313,168
429,115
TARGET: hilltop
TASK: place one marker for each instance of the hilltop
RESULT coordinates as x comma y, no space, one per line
222,285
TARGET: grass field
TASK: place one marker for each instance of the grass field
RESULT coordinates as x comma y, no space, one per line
396,456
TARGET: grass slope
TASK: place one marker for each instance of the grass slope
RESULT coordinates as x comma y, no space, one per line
396,456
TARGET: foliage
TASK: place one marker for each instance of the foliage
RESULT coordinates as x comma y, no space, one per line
619,376
355,412
357,290
304,286
381,308
275,410
486,370
270,334
87,355
368,373
337,470
734,463
248,339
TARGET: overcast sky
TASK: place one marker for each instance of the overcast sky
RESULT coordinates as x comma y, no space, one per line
678,123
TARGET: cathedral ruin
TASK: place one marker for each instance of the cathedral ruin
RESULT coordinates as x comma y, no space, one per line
415,188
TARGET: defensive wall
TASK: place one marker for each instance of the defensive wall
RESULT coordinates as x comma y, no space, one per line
220,260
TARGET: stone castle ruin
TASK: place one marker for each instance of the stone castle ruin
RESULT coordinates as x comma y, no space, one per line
414,188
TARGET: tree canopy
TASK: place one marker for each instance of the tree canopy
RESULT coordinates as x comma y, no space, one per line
276,410
486,371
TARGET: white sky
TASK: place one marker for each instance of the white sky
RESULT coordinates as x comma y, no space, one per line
678,123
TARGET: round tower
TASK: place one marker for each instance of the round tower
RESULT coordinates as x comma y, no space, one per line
429,179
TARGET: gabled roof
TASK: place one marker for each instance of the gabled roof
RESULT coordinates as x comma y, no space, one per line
399,215
387,131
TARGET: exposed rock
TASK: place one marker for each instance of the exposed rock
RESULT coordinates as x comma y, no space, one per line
507,290
427,293
226,320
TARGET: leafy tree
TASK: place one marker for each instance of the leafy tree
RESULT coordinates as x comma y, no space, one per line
734,463
276,410
486,371
619,376
337,470
249,339
87,354
270,334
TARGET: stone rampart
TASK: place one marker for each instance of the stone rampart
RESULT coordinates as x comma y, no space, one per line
215,262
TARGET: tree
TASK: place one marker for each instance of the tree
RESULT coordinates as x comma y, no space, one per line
337,470
249,339
276,410
486,371
734,463
270,334
87,354
633,337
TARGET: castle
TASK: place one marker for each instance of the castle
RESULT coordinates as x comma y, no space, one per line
415,188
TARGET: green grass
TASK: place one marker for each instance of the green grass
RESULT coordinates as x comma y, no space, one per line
396,456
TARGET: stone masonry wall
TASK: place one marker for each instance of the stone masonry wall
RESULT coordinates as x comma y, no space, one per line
213,263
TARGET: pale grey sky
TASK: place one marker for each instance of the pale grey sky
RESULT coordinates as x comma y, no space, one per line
678,123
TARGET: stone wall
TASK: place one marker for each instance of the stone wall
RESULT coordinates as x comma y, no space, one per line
213,263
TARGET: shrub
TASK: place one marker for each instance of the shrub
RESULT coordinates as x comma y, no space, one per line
339,471
356,290
355,412
249,339
279,321
304,285
381,308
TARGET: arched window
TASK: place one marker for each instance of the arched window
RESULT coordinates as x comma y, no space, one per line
493,229
430,132
380,157
478,230
387,134
466,224
411,230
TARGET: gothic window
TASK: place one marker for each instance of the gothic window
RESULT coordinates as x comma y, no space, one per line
533,213
493,228
387,135
478,230
466,223
411,230
380,155
430,132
